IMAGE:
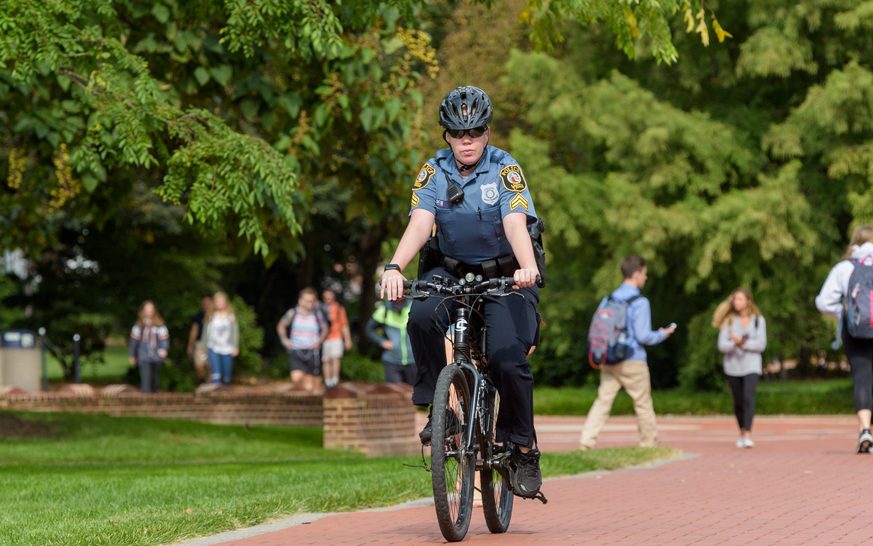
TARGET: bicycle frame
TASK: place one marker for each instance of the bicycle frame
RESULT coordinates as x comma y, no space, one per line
463,343
462,357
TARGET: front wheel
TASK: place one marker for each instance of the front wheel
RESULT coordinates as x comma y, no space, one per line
452,461
496,495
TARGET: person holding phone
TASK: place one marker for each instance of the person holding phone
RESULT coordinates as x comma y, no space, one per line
742,338
631,374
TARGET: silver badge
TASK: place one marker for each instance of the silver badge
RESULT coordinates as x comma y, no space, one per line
490,195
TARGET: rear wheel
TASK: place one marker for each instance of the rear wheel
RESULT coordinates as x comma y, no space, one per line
452,461
496,495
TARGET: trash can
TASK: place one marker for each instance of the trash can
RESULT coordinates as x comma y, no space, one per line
19,360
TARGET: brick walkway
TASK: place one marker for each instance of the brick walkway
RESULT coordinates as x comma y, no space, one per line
802,485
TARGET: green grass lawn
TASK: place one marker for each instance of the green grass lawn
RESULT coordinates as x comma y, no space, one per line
103,480
830,396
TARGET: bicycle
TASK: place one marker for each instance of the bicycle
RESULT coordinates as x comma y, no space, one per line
464,413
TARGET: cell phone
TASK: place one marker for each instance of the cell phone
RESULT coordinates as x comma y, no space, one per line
745,337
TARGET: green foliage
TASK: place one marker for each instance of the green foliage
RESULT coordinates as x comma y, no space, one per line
359,367
635,25
251,339
702,368
119,114
224,105
824,396
9,314
745,167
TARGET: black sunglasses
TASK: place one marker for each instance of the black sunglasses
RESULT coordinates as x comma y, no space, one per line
475,132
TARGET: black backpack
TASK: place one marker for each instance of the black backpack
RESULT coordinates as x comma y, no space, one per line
859,301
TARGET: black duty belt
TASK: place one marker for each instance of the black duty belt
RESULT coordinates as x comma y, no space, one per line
502,266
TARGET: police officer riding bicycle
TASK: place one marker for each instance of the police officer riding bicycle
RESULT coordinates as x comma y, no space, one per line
478,198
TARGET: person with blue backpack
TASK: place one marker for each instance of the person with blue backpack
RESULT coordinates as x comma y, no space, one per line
620,328
847,294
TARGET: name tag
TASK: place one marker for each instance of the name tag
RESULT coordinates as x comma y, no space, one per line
443,204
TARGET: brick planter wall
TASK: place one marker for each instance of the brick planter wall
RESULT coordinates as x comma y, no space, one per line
235,405
376,420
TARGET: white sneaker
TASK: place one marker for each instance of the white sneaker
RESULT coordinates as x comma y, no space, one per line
865,441
748,443
741,443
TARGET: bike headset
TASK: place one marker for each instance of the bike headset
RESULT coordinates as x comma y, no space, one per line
440,326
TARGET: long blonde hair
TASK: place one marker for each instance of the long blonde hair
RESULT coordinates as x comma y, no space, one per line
862,234
157,320
725,310
228,308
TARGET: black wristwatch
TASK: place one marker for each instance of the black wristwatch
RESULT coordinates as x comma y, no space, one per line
391,267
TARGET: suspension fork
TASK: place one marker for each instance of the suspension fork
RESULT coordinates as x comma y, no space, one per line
474,380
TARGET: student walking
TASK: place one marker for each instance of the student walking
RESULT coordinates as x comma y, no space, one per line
846,296
632,372
222,339
302,329
149,342
387,329
742,338
338,340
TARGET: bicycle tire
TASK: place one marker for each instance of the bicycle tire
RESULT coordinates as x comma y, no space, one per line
497,498
452,475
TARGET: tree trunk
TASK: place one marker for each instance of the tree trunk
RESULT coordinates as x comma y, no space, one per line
369,258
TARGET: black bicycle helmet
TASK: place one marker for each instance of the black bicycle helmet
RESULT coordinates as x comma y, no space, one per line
465,107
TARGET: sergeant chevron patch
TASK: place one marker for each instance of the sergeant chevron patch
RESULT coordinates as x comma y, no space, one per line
518,201
414,199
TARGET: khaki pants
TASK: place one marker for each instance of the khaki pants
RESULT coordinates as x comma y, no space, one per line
633,375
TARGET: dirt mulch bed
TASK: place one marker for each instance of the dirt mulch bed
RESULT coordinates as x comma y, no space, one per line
16,427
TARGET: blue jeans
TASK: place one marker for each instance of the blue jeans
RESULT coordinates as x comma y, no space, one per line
221,366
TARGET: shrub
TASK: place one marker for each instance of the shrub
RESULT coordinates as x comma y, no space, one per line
358,367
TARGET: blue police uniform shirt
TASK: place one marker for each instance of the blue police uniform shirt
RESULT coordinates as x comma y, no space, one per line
472,231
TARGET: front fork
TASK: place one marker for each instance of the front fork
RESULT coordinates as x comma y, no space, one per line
483,418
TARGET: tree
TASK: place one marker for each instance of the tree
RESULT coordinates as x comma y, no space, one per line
743,167
634,24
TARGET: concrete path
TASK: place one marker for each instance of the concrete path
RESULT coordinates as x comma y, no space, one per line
802,484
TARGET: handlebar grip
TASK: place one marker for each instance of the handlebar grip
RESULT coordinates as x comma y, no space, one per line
510,280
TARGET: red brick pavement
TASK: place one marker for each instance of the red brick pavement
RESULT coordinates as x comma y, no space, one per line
802,485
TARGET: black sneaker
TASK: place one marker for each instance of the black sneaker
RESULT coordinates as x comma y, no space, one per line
426,432
524,475
453,427
865,441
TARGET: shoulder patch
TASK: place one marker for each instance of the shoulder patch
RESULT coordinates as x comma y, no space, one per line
424,176
513,179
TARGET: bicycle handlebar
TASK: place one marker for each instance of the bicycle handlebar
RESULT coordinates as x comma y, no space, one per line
450,287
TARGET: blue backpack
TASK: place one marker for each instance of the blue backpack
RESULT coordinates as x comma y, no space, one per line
608,335
859,301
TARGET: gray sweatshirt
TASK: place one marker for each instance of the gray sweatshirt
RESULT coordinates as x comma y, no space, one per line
830,299
746,359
